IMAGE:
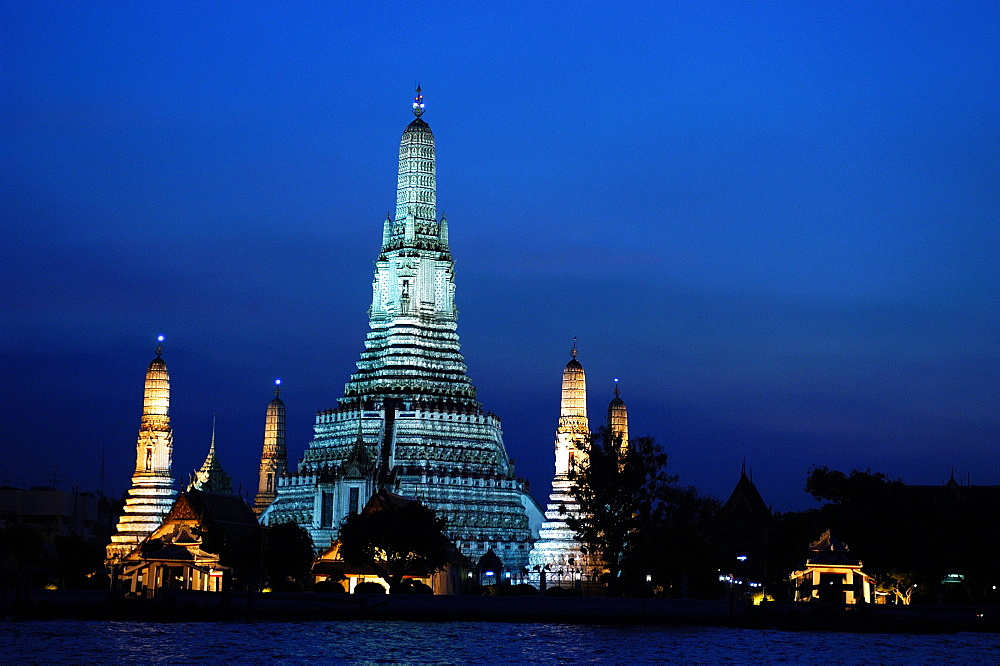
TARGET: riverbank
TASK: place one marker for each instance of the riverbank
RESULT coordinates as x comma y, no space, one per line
183,606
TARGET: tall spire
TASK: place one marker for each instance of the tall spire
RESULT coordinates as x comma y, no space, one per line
618,416
412,351
409,419
573,424
274,456
152,493
558,547
416,184
211,478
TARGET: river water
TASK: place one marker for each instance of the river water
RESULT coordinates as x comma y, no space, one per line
465,642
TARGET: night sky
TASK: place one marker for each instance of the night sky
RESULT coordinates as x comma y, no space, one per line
777,224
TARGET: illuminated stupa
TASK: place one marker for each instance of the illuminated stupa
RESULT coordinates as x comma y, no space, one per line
152,492
558,552
274,456
410,408
618,417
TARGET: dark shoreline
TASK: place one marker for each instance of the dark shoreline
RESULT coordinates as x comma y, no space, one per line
300,607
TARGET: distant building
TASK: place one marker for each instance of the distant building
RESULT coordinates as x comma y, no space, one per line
152,492
409,421
831,575
744,526
55,512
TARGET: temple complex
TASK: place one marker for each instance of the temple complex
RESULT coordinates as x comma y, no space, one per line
152,492
409,421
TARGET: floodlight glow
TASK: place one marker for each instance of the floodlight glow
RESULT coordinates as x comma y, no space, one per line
277,382
159,338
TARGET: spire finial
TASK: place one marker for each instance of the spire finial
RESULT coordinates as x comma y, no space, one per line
211,447
573,351
418,103
617,392
159,347
277,388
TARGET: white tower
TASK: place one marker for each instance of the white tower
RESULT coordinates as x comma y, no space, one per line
152,492
558,552
409,420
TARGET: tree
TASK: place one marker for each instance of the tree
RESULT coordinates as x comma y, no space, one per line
682,551
621,489
867,511
915,539
77,560
395,537
288,553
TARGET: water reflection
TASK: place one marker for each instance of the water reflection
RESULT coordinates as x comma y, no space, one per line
464,642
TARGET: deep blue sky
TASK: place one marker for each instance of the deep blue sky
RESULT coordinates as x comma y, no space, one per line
776,223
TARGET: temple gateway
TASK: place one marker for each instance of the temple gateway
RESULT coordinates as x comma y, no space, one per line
409,421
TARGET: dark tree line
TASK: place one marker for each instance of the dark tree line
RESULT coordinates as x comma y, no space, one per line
913,539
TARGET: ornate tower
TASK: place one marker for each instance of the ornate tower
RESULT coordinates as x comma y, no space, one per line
573,426
274,457
211,478
558,552
618,417
410,408
152,493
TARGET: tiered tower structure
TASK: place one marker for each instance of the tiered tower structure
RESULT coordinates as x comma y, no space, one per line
152,492
274,456
410,404
618,417
558,553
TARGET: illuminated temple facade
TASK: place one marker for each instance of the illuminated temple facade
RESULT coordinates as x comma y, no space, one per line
152,492
409,421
